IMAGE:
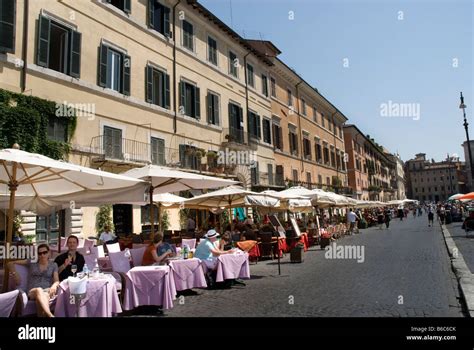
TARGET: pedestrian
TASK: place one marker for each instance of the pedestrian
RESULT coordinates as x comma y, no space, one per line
430,217
387,218
380,219
400,213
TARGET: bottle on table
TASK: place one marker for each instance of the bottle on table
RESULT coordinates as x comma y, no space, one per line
85,270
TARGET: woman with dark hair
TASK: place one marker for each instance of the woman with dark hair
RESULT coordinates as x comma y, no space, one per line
157,252
43,279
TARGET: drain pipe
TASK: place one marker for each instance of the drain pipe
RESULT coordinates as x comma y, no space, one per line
300,132
25,46
175,102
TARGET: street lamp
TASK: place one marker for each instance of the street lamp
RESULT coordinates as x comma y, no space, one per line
463,107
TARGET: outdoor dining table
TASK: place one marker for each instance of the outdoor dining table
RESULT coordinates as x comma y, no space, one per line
149,285
187,273
232,266
101,299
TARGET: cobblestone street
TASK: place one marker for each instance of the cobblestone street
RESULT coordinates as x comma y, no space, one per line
406,272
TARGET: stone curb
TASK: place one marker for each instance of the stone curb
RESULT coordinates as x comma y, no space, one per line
463,274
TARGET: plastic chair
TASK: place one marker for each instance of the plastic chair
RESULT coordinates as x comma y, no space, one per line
137,255
113,248
9,303
191,243
119,261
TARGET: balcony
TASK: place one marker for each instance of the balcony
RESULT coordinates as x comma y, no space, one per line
119,150
238,139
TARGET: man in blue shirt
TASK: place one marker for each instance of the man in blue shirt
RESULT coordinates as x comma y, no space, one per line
207,250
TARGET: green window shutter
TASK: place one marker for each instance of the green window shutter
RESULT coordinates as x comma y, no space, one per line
166,21
280,135
241,118
161,152
151,13
231,117
216,109
103,52
182,97
167,91
43,41
249,123
209,108
127,63
127,6
149,84
259,127
182,154
75,68
197,103
7,25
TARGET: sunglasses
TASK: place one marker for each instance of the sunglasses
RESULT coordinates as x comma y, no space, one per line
44,252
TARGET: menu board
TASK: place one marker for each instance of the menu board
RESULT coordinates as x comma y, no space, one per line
277,226
295,226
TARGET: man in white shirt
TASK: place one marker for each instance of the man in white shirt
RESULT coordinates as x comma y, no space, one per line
107,235
352,218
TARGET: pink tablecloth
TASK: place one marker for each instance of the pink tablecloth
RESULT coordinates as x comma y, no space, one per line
149,285
231,266
188,274
7,302
101,299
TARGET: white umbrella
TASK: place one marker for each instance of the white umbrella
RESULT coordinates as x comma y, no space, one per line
291,202
164,180
167,199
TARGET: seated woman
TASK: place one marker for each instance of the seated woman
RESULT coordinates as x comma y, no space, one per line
226,241
43,280
157,252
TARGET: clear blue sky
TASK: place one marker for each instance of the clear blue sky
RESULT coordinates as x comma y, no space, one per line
403,61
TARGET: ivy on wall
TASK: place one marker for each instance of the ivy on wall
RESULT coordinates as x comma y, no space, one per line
25,120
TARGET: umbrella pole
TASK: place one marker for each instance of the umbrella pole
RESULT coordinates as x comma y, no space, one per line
230,216
152,214
13,185
159,218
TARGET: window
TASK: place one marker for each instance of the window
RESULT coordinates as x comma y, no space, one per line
157,87
295,176
59,47
233,64
338,159
307,148
188,35
277,137
273,87
326,154
253,122
157,151
290,98
323,122
267,132
250,77
303,106
320,179
270,174
254,174
236,121
315,115
57,129
190,100
113,142
7,25
328,181
159,17
319,156
114,70
124,5
279,173
212,108
188,157
212,50
293,143
308,179
264,85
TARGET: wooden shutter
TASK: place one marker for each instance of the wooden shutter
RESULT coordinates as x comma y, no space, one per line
216,109
43,41
197,102
103,53
182,97
280,135
149,84
151,13
259,127
7,26
166,21
127,6
167,91
161,152
75,68
210,112
127,63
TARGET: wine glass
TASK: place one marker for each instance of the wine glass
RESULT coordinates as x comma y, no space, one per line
74,269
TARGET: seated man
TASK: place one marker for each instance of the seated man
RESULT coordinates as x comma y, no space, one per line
107,236
72,257
207,250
